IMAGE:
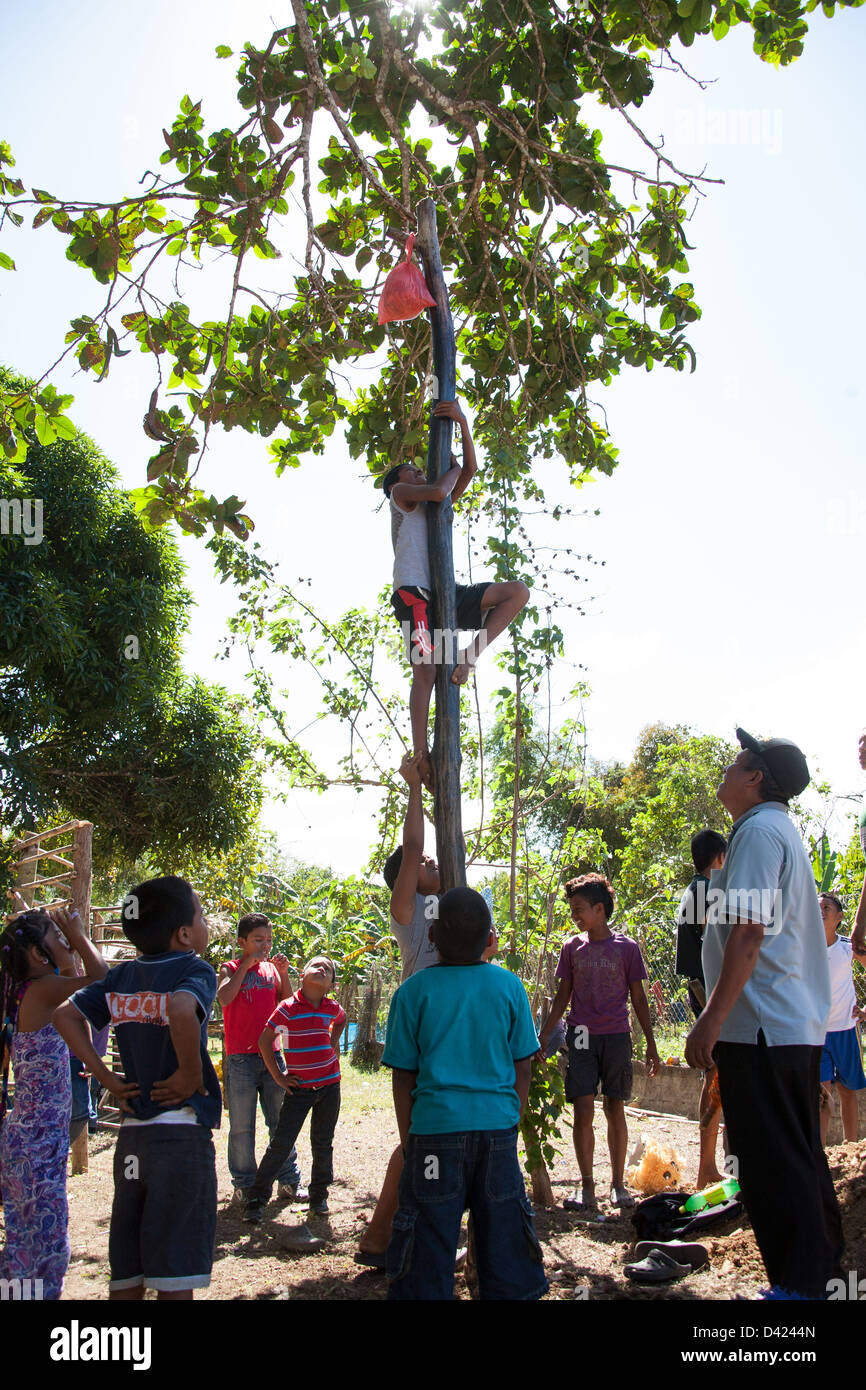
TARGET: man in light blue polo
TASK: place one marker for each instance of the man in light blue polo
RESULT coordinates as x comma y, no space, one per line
768,986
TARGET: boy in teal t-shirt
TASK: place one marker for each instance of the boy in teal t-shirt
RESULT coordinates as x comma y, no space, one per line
460,1041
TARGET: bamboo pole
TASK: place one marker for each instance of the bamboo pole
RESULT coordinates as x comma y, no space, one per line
446,742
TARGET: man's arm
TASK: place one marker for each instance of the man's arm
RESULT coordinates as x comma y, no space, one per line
557,1009
406,886
402,1086
231,980
741,954
522,1077
184,1026
640,1005
451,411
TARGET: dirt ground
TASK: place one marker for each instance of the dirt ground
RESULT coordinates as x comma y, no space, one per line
584,1258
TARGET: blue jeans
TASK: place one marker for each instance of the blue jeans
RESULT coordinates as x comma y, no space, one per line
443,1174
247,1081
83,1107
325,1105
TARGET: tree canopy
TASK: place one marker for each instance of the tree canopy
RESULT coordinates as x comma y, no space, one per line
563,266
97,718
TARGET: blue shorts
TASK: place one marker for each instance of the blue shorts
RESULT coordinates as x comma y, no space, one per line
841,1060
163,1221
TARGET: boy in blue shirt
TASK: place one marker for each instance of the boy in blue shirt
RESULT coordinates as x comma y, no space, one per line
163,1220
460,1041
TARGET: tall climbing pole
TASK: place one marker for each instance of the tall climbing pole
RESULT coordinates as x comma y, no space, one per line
446,740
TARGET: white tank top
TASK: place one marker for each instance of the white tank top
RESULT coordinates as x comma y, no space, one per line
409,539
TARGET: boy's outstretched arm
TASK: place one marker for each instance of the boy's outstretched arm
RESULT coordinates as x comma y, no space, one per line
406,886
402,1086
641,1008
185,1028
451,410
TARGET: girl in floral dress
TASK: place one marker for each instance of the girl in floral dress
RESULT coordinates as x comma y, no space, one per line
37,973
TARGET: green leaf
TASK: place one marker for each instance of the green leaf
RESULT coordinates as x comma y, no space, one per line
223,50
6,262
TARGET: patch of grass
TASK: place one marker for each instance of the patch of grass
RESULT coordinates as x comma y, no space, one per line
364,1092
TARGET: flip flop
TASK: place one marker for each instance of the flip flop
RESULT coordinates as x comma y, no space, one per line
657,1268
683,1251
372,1259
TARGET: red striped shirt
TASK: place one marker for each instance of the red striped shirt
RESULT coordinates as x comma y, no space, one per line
304,1029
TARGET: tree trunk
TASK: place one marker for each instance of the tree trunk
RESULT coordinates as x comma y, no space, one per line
367,1052
542,1192
446,740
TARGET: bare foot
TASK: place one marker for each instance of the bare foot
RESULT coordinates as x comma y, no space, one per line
621,1197
708,1179
583,1199
425,770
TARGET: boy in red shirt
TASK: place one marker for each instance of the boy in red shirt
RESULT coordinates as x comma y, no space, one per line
309,1026
250,988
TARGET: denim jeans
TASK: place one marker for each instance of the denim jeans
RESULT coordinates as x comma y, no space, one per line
247,1081
325,1105
443,1175
83,1107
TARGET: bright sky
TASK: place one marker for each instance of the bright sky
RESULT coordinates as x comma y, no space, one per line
732,531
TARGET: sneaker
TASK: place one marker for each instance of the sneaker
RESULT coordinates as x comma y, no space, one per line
252,1213
320,1208
300,1238
289,1193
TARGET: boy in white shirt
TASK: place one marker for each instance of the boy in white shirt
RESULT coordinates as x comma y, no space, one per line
841,1061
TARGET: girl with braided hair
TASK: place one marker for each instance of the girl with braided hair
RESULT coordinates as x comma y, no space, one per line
37,973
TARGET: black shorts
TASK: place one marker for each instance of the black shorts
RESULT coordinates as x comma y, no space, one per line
163,1221
604,1060
412,609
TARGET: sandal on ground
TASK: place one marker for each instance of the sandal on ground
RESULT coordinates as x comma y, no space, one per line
657,1268
683,1251
373,1259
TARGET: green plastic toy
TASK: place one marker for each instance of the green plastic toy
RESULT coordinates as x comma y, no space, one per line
712,1196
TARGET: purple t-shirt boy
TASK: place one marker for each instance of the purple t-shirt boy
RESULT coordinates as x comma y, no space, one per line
600,974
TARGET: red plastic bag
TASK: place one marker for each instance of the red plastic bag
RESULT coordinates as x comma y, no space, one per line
405,294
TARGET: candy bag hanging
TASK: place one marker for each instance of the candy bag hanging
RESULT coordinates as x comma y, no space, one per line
405,294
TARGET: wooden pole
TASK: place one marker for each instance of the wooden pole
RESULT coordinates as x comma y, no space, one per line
446,741
82,858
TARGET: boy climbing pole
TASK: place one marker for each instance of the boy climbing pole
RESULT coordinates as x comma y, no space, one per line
485,609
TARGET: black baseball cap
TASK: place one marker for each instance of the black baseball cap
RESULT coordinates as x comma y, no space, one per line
784,760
